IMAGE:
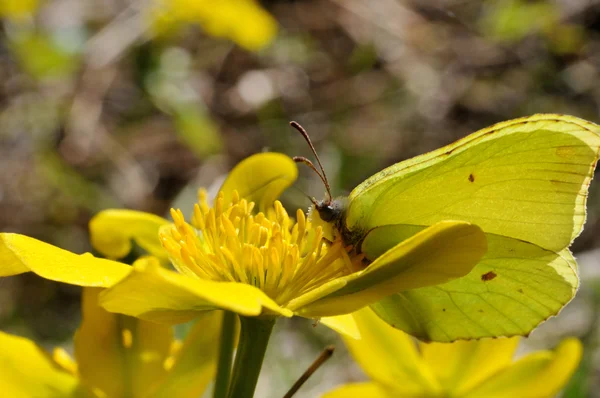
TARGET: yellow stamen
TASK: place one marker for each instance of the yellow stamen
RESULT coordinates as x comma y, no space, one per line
127,338
270,251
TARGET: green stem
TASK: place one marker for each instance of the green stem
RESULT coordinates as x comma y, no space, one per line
225,355
254,337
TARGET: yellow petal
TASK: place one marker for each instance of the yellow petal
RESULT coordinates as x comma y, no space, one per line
63,359
28,371
18,9
441,252
461,365
119,355
20,253
538,375
389,356
157,294
367,390
195,361
111,232
261,178
343,324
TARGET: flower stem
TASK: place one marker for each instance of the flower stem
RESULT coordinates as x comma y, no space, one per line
254,337
226,345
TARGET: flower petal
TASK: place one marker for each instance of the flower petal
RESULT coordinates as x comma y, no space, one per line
343,324
195,362
111,232
28,371
63,359
370,390
156,294
541,374
441,252
461,365
119,355
20,253
261,178
390,357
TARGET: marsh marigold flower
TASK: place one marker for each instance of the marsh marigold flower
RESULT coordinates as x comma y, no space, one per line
114,356
228,243
483,368
244,22
245,254
18,9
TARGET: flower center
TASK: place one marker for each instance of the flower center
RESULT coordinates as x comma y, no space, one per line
229,243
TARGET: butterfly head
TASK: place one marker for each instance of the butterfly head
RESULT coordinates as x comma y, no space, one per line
330,210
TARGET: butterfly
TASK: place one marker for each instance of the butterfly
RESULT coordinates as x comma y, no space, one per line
524,182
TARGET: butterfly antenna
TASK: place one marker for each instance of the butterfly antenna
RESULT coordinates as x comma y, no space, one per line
302,159
308,162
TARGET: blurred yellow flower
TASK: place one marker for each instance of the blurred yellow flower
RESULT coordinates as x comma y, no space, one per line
17,9
242,21
115,356
466,369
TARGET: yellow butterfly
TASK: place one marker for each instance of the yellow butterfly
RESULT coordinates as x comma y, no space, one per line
524,182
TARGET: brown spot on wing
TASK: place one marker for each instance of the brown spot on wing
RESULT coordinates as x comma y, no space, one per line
471,177
488,276
566,151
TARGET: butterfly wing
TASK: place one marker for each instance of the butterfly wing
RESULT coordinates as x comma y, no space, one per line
526,179
514,287
524,182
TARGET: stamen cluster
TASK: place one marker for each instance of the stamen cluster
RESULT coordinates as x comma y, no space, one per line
229,243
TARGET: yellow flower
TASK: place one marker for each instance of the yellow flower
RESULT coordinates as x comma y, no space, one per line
261,263
242,21
252,264
18,9
115,356
466,369
257,264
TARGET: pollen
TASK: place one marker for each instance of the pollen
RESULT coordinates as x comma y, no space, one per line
229,242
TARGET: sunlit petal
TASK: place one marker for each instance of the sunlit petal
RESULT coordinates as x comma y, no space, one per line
261,178
19,254
195,361
343,324
389,356
119,355
157,294
463,364
111,232
370,390
28,371
541,374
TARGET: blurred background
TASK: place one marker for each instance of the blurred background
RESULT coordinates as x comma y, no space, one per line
136,104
